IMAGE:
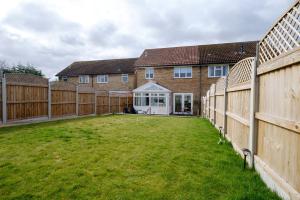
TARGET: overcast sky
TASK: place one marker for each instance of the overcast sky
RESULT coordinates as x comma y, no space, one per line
52,34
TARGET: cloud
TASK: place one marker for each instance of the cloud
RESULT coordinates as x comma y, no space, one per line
37,17
51,35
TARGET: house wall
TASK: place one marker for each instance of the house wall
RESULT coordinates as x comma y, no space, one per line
164,77
200,82
114,83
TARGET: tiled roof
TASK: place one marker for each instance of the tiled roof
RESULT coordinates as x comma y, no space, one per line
227,52
198,55
114,66
169,56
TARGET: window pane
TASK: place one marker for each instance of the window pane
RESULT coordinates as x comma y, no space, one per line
176,72
162,102
189,72
154,101
211,71
137,101
218,72
149,73
125,78
225,70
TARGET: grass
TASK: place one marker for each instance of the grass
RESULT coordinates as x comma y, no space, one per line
123,157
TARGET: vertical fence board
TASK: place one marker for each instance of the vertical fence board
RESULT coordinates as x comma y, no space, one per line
1,105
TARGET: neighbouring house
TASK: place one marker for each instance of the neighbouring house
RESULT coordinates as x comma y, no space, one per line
163,80
103,75
172,80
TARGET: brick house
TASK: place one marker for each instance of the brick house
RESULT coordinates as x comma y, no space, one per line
103,75
163,80
177,77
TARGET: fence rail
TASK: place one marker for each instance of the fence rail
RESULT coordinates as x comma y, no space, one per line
29,97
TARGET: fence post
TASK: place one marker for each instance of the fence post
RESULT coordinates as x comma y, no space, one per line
95,103
215,104
119,104
108,102
4,101
253,108
225,106
208,104
49,99
77,100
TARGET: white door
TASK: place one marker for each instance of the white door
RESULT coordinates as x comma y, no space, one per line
182,103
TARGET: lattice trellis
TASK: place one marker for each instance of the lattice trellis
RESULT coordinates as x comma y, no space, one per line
241,72
283,36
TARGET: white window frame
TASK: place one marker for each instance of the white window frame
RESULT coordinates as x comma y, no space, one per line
123,76
86,79
147,73
99,78
214,68
64,78
180,68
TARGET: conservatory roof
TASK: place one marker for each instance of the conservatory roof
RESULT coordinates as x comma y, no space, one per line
152,87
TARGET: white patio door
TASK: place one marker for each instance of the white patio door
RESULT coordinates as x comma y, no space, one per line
182,103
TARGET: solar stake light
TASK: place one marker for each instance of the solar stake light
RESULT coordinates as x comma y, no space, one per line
246,153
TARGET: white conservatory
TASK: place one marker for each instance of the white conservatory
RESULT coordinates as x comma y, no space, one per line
152,98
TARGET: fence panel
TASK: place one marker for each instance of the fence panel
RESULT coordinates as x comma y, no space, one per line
114,104
1,99
27,97
86,101
63,99
102,104
238,103
279,117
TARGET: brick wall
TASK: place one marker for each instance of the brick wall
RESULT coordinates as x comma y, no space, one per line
164,77
114,83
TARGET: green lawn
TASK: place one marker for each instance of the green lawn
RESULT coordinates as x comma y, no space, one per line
123,157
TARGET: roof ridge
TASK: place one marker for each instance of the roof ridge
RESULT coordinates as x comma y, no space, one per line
115,59
199,45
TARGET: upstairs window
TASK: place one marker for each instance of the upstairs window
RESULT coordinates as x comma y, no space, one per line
182,72
102,79
65,78
218,71
149,73
124,78
84,79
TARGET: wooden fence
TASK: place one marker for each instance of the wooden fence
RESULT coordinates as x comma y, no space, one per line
29,97
258,106
272,135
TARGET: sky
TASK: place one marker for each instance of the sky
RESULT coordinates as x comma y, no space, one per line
52,34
